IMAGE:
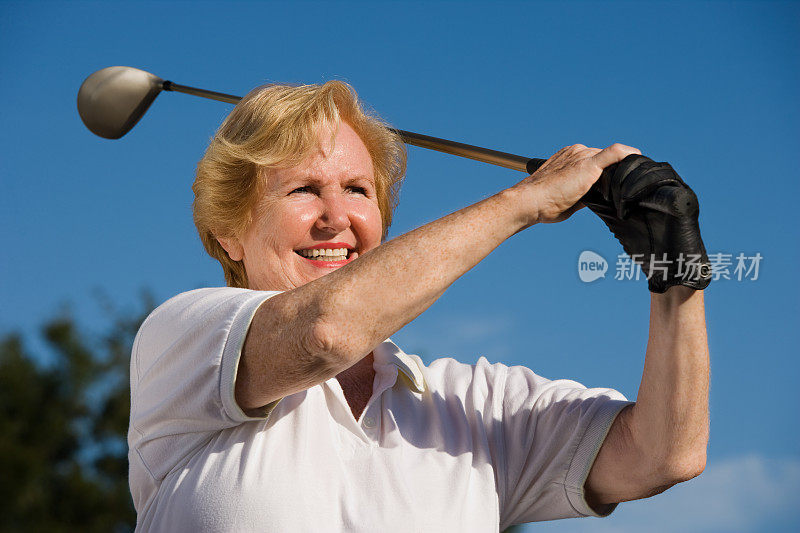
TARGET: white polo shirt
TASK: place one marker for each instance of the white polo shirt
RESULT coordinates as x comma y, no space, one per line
445,447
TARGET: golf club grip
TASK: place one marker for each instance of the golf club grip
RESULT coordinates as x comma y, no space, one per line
533,165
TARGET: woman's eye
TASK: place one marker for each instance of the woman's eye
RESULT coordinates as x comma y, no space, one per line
358,190
301,190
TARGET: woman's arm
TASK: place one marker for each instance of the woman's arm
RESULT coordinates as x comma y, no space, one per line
307,335
660,440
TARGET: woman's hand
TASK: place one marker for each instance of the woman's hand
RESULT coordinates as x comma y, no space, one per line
552,193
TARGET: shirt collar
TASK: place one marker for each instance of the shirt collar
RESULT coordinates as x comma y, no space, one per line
389,352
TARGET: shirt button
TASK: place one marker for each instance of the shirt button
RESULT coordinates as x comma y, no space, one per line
369,422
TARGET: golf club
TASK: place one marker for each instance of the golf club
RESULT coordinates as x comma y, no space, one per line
112,100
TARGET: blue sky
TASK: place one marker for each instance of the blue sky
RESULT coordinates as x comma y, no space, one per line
710,87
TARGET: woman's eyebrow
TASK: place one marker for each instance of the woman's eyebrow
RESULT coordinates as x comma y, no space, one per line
302,178
359,179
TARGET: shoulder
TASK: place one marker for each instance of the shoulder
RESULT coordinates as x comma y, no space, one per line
449,371
198,307
516,385
451,377
208,316
189,303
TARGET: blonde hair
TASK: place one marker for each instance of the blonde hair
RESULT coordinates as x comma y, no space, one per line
276,126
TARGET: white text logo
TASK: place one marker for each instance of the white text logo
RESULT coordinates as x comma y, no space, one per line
591,266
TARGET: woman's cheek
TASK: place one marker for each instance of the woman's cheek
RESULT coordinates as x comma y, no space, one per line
370,224
305,213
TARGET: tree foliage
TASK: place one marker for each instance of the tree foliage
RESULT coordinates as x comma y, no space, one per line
63,427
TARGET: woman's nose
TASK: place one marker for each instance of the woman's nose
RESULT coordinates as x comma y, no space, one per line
334,217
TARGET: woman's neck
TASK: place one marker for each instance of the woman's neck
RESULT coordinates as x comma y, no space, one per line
356,383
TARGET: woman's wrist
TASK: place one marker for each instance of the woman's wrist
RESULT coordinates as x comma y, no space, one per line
521,203
673,297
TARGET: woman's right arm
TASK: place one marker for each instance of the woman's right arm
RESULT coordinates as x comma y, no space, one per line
305,336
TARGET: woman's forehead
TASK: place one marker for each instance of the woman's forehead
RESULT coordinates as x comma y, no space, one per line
343,158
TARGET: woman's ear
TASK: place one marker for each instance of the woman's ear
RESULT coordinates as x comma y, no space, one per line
233,247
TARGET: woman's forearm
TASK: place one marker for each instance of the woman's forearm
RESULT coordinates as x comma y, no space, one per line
309,334
662,439
671,411
361,304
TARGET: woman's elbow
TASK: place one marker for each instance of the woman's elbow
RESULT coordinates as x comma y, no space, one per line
669,470
683,467
330,347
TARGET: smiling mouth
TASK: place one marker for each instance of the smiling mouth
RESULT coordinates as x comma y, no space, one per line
327,254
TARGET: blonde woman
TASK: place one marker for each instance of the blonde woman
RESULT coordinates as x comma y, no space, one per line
279,404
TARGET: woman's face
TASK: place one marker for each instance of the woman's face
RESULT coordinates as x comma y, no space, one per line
312,218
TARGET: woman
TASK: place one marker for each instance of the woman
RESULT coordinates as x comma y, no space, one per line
277,404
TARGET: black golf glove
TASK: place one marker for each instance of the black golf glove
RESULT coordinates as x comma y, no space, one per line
654,215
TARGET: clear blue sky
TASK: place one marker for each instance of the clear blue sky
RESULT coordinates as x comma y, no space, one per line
710,87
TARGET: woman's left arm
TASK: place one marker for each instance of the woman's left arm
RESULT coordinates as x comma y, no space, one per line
661,440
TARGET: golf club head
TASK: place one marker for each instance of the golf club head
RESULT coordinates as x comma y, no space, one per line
112,100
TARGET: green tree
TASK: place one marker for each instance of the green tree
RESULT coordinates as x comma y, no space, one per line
63,426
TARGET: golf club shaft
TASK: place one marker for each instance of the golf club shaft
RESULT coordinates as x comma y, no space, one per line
212,95
485,155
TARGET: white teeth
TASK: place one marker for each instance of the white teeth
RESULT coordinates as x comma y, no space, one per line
325,254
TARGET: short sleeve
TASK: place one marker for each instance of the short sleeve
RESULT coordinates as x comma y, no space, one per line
551,432
183,370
